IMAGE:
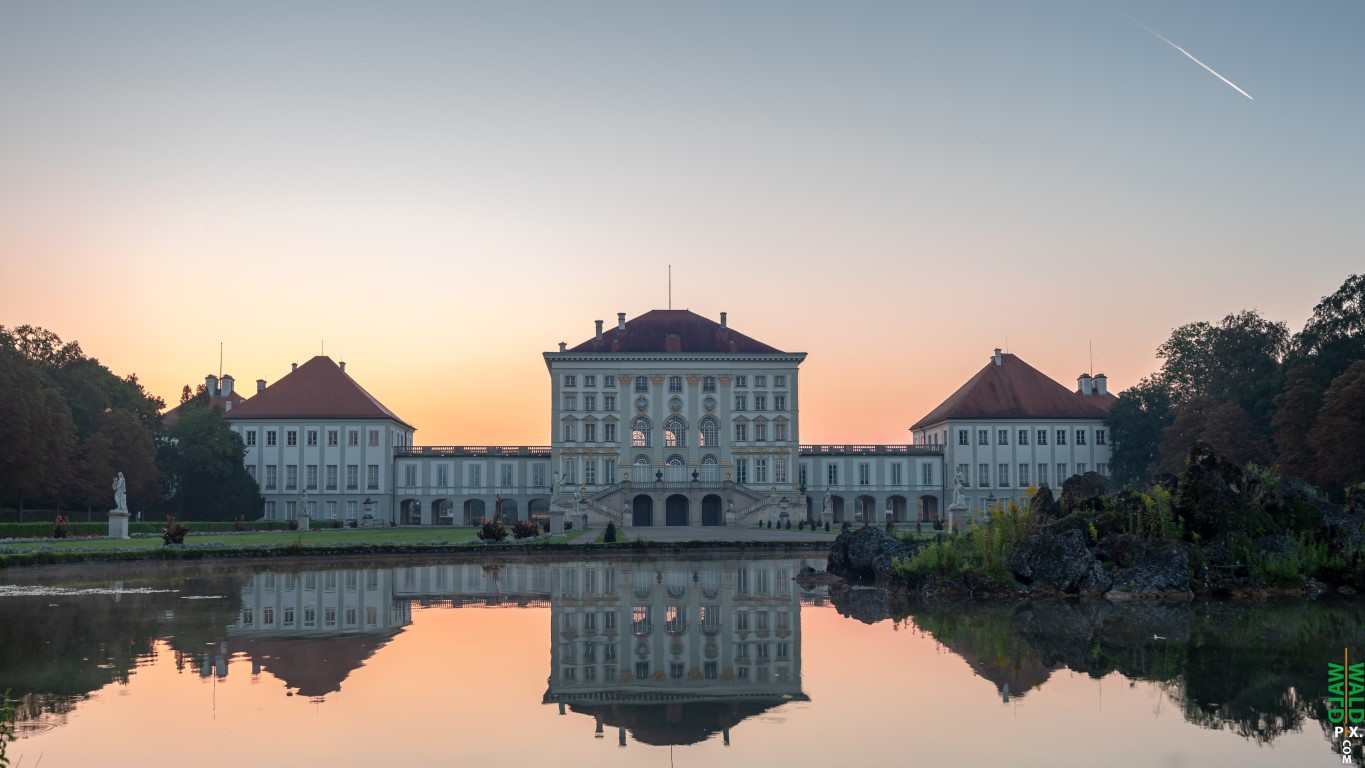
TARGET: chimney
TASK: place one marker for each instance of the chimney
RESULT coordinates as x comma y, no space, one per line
1083,384
211,385
563,346
293,367
599,329
997,355
260,386
722,320
620,321
1101,385
342,366
227,386
673,343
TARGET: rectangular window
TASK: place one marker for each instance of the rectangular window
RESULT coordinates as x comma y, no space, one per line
1042,476
895,474
741,381
569,432
291,438
780,431
571,402
291,477
352,477
832,474
609,402
962,437
589,381
442,475
332,515
1080,438
1061,437
506,472
608,381
760,402
1003,437
270,437
741,470
609,433
864,473
675,384
741,433
1042,437
779,381
1099,437
1061,474
1023,437
741,403
538,475
708,383
1103,469
271,476
641,383
352,437
589,433
311,477
374,438
962,473
590,402
610,466
1023,475
251,470
761,432
410,475
801,474
590,471
983,437
780,469
372,483
352,510
1004,479
331,438
570,380
312,438
926,472
760,470
760,381
250,436
983,475
475,475
779,402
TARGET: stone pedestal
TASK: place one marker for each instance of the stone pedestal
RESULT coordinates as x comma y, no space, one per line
556,521
302,520
957,516
118,524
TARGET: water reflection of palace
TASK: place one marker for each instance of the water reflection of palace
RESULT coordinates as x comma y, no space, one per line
675,651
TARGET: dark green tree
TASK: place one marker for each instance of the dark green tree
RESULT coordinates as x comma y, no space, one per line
1334,335
1237,360
1136,422
1296,410
201,458
1339,433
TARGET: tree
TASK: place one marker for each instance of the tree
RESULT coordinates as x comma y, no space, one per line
37,436
1224,426
1136,421
1237,360
201,458
1334,335
1338,436
1296,409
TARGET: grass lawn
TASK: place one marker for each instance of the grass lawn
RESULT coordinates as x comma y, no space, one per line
320,537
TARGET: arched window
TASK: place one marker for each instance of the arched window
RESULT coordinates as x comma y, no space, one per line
639,433
676,461
641,383
675,433
642,460
708,459
710,432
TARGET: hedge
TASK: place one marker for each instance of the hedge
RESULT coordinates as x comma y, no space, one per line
44,530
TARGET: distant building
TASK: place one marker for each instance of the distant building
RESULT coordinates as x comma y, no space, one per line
221,393
1010,427
670,418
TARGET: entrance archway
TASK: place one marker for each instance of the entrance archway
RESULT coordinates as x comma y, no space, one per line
474,512
711,514
411,512
642,510
443,512
837,504
509,511
675,509
866,510
928,508
898,508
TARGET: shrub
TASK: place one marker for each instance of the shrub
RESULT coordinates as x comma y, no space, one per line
845,528
59,527
939,558
174,532
610,536
7,718
352,523
890,527
293,525
240,524
525,529
492,530
826,526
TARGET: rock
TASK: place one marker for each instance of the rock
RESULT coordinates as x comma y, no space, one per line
1057,560
1084,493
867,553
866,604
1121,549
1043,507
1163,571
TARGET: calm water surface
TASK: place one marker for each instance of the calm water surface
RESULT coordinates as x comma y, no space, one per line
663,662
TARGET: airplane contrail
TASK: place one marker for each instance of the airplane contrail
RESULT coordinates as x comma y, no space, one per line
1192,58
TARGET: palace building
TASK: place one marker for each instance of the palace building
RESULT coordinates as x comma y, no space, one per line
669,418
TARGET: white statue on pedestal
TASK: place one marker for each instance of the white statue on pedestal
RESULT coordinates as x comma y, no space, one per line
827,504
120,494
958,501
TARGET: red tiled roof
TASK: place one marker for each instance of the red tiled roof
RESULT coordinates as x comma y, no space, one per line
1016,390
674,330
318,389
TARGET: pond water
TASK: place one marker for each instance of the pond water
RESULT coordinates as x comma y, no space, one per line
674,662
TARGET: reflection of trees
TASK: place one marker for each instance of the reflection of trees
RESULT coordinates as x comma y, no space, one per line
1256,669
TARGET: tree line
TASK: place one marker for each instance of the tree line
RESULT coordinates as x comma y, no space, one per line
68,425
1256,393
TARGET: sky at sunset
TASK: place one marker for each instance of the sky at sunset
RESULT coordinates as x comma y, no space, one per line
440,192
